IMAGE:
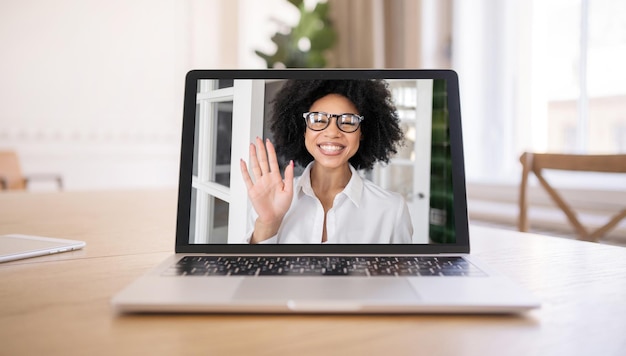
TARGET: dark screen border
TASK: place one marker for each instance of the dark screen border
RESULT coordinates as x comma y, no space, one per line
461,245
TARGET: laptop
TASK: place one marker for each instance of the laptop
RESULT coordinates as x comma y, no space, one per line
215,268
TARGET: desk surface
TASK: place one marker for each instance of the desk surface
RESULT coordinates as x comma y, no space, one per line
60,304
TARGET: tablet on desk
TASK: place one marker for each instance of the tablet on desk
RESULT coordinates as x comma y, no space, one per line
16,246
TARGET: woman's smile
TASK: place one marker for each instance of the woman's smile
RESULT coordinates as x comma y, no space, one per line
331,148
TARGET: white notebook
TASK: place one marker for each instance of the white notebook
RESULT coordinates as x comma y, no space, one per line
16,246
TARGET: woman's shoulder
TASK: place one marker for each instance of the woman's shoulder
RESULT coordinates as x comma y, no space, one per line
372,190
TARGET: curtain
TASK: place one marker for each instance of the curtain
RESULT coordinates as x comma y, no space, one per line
391,33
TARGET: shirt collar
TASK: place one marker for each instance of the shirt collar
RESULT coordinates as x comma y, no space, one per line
353,190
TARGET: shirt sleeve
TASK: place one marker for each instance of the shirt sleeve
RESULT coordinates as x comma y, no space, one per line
252,215
271,240
250,219
403,231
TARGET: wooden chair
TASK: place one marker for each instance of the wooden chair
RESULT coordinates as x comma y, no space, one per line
11,177
536,162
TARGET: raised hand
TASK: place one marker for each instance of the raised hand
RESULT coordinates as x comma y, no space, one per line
269,194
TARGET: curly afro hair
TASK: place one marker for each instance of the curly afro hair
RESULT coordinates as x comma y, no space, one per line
380,129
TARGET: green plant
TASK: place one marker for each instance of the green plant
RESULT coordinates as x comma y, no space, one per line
304,46
441,197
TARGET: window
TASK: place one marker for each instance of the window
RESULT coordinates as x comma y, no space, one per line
211,166
408,172
541,76
586,96
217,194
420,171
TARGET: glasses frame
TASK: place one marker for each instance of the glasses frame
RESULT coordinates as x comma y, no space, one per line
330,116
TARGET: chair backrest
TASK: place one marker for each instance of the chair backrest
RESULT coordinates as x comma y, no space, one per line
536,162
10,172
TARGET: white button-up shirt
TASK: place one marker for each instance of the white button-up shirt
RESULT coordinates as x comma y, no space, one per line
362,213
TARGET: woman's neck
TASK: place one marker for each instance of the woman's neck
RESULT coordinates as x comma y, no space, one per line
324,179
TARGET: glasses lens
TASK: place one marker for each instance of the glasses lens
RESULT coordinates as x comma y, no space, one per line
349,122
317,121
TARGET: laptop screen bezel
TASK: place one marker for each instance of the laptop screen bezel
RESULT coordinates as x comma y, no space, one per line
456,146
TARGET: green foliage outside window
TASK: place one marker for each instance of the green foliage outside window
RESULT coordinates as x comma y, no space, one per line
441,218
304,46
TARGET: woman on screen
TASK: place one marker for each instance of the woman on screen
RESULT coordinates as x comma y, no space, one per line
334,128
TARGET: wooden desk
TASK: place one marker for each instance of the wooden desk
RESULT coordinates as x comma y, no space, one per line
60,304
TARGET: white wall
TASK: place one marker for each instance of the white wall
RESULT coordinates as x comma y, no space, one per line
93,89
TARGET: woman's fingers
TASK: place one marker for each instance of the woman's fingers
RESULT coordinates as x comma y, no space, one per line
244,173
289,177
262,156
254,163
264,162
271,156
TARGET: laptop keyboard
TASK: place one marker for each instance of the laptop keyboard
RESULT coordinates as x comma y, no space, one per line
322,266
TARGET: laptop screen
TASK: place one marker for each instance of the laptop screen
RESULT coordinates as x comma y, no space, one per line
376,158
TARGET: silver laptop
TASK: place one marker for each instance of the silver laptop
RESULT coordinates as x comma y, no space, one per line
423,267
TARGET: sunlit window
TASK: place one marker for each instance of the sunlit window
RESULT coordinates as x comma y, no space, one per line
543,76
584,55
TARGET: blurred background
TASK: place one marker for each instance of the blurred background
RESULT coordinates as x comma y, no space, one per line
92,90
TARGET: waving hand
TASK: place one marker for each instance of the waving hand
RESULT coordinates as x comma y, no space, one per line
269,194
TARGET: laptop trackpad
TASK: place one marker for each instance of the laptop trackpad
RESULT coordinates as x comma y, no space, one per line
325,288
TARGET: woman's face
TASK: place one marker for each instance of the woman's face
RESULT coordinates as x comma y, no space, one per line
331,147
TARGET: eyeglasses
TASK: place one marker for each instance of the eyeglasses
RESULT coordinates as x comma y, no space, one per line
318,121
